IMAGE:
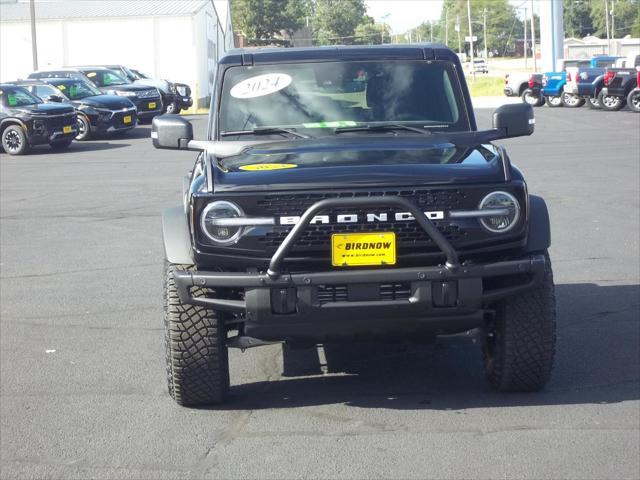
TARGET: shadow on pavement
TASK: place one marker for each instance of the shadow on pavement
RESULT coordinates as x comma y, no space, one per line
78,147
597,361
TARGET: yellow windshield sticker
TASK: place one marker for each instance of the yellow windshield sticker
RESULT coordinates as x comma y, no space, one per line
91,74
61,87
260,167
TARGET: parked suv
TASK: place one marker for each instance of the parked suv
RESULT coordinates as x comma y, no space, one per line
174,96
146,99
26,121
316,214
96,112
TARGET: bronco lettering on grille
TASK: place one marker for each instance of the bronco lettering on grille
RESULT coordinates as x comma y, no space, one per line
355,218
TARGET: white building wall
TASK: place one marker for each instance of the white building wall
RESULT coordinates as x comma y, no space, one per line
182,49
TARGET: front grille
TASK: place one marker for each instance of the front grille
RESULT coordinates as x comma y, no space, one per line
407,233
118,117
294,204
340,293
152,93
59,121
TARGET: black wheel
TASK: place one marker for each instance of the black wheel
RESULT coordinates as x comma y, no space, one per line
593,103
520,341
196,353
60,144
84,128
571,101
528,97
633,100
173,108
553,102
14,140
610,103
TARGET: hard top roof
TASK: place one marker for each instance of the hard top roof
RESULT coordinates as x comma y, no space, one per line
420,51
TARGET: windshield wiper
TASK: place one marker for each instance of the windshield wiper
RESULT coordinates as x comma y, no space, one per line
381,128
264,131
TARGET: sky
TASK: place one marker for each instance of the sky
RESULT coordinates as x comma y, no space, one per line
402,15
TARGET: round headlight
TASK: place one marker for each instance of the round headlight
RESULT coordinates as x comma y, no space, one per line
509,216
218,231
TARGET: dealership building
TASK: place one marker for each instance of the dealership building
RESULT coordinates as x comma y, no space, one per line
177,40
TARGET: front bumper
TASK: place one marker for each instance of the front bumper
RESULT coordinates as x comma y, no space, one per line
508,91
448,298
296,306
113,120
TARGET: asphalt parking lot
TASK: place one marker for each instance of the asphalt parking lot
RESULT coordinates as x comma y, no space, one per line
83,391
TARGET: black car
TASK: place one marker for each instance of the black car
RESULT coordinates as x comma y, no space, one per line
146,99
97,113
318,213
26,121
175,96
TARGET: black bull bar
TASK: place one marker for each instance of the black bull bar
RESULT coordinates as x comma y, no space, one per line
468,291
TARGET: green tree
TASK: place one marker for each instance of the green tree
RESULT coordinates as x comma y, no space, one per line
370,33
503,25
577,18
264,19
335,21
623,17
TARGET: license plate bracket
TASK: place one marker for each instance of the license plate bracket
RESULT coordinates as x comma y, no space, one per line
363,249
67,129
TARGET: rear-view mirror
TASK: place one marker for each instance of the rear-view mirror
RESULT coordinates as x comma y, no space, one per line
514,120
171,132
55,98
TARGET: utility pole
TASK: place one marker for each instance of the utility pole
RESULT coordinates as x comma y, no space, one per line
473,70
606,16
34,43
613,20
458,30
446,27
484,30
533,40
525,37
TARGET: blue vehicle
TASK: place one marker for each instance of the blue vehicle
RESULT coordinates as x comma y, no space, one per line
553,82
585,83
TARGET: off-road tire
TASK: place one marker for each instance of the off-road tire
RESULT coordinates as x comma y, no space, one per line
553,101
532,100
196,353
14,140
60,144
520,344
633,100
572,101
607,103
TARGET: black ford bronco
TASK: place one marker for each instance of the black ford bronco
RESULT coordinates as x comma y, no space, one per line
345,193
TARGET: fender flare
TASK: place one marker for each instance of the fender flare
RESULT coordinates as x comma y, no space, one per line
539,238
13,121
176,236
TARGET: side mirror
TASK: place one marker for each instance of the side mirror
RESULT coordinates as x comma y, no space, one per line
171,132
515,120
55,98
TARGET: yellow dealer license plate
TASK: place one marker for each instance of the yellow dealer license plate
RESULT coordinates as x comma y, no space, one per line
126,119
67,129
360,249
152,105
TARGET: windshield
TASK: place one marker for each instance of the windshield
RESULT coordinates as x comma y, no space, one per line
319,97
76,90
17,97
105,78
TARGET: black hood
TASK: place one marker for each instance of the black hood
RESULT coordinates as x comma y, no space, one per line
127,87
362,161
46,108
112,102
